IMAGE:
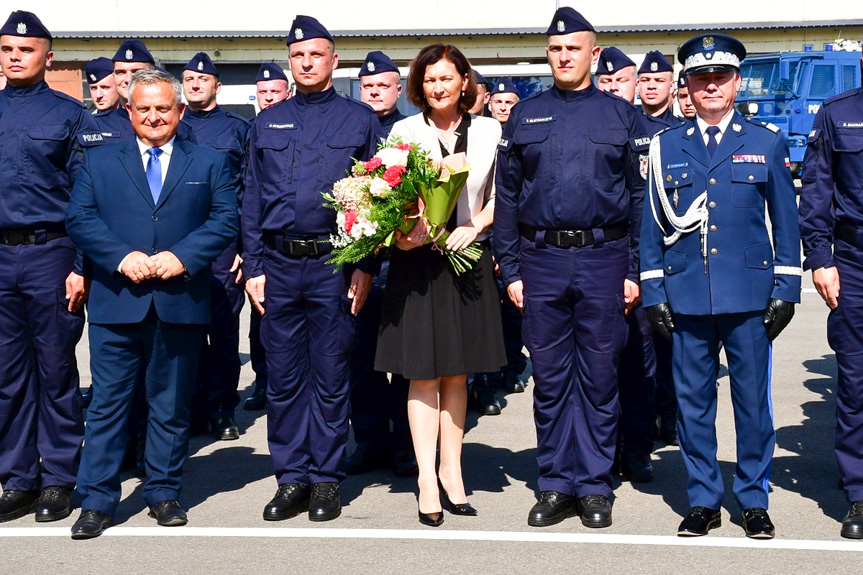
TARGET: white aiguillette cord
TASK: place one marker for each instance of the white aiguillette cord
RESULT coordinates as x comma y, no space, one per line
696,215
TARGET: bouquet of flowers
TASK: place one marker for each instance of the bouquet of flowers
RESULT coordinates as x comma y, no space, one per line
391,192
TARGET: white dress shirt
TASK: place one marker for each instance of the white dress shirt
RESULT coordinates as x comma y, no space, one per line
722,125
164,157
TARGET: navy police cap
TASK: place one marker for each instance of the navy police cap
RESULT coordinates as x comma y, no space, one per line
307,28
654,61
611,60
480,79
98,69
133,51
504,86
22,23
202,63
377,62
681,80
566,20
711,53
270,71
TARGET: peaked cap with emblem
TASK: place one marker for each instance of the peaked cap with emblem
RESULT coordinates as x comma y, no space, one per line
377,62
654,61
307,28
26,24
711,53
98,69
133,51
611,60
270,71
202,63
566,21
504,86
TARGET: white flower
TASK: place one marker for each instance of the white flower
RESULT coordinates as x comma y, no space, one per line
393,157
379,188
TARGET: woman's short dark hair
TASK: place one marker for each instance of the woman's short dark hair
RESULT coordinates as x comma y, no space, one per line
429,56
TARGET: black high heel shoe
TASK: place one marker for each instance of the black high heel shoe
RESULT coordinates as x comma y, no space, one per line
455,508
430,519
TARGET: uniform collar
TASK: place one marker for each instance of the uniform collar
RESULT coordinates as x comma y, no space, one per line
722,125
315,97
573,95
203,113
16,92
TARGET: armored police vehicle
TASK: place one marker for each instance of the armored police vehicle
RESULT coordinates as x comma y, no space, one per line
788,88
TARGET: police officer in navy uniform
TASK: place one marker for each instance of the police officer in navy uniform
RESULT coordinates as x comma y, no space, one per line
376,400
687,110
103,90
615,73
298,149
43,287
831,220
656,90
216,394
271,87
567,220
709,272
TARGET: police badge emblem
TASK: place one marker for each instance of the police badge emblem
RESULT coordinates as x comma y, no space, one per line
690,131
561,27
371,66
736,127
501,87
22,28
654,66
93,77
266,73
200,65
643,165
708,43
298,33
129,54
610,66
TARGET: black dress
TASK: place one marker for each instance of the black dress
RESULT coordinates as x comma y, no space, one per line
435,323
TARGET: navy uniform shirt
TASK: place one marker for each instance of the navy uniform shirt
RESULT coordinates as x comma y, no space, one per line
297,150
832,176
42,135
568,160
223,131
655,124
116,125
387,123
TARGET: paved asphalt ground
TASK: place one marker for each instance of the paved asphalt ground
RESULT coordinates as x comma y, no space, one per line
228,483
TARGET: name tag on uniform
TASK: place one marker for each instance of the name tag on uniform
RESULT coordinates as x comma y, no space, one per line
272,126
849,125
542,120
672,166
748,159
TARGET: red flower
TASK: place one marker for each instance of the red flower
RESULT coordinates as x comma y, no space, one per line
372,164
350,218
407,147
393,175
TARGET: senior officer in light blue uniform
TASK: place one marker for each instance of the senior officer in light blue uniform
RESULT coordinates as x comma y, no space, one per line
709,272
298,149
216,394
567,221
831,219
42,287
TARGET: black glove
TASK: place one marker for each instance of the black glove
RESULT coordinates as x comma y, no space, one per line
777,316
660,316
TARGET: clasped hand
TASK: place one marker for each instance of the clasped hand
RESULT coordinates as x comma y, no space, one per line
138,266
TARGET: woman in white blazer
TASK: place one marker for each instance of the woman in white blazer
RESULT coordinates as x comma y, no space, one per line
437,326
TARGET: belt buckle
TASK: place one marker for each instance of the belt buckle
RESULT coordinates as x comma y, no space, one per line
302,247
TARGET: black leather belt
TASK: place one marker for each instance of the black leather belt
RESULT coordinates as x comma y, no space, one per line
309,247
576,238
29,236
847,234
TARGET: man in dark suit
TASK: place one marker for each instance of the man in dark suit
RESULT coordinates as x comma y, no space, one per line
151,214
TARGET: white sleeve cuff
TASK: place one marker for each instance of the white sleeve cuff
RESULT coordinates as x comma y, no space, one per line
652,275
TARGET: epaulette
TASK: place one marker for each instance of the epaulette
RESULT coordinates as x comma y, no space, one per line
768,125
668,129
63,96
359,103
843,95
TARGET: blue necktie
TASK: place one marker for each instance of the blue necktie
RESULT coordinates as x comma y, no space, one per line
154,173
712,144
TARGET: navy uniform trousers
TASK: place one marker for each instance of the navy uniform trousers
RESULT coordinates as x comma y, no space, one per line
574,329
308,333
637,380
41,424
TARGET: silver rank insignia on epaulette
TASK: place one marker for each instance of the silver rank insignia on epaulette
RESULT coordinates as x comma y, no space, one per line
736,127
200,65
690,131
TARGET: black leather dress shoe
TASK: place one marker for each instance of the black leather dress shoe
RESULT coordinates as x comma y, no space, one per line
595,511
668,429
54,503
290,500
325,503
15,504
90,524
484,399
699,521
405,464
257,401
224,428
636,466
552,507
757,524
168,513
852,525
512,383
368,456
